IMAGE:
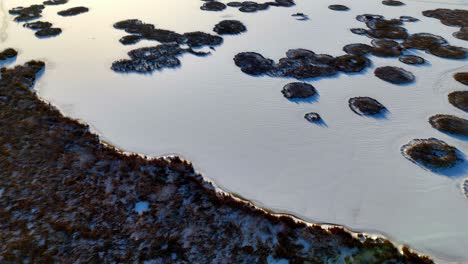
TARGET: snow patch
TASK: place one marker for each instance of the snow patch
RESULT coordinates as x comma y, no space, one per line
272,260
141,207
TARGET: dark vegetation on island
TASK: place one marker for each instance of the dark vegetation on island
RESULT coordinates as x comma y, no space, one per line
55,2
67,197
8,53
392,3
313,117
149,59
300,16
389,38
452,18
298,90
411,59
459,99
229,27
366,106
432,153
461,77
394,75
43,29
450,124
338,7
300,64
245,6
464,187
73,11
23,14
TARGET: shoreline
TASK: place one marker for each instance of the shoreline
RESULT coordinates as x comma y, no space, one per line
64,188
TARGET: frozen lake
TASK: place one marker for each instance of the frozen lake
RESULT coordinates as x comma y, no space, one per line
240,132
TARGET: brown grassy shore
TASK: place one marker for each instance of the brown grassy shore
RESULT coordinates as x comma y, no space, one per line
66,197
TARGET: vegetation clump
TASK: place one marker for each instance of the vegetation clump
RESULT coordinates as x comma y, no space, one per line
411,59
313,117
251,7
8,54
27,13
459,99
392,3
450,124
73,11
453,18
298,90
461,77
48,32
464,187
199,39
229,27
43,29
357,49
338,7
61,188
37,25
431,153
423,41
408,19
394,75
448,51
253,63
351,63
140,30
384,43
300,16
302,63
462,33
55,2
149,59
213,6
366,106
359,31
